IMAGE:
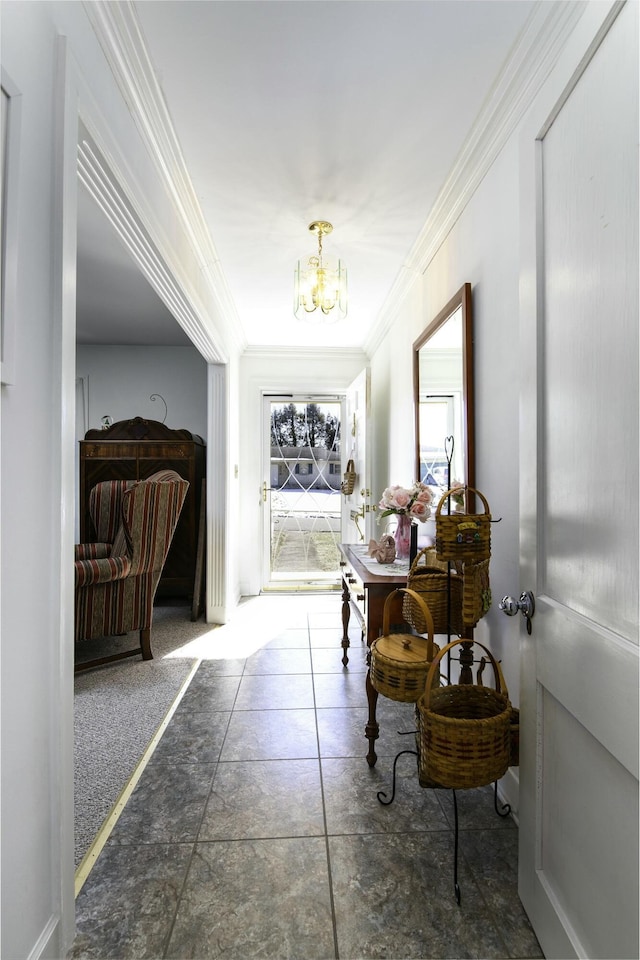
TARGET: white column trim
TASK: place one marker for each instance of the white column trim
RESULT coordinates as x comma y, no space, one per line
59,931
218,563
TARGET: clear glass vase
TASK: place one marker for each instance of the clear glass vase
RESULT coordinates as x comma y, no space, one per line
402,536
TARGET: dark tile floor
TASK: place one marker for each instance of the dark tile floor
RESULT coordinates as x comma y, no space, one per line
255,830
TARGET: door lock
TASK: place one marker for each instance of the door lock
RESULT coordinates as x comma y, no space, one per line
368,507
526,604
357,515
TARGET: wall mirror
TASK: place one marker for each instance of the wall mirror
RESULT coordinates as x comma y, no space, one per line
443,397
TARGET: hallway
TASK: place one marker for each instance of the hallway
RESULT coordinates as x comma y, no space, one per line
255,829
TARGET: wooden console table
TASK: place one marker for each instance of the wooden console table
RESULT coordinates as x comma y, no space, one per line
365,593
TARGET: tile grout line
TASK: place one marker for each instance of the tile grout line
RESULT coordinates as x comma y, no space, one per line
204,810
234,709
468,858
324,809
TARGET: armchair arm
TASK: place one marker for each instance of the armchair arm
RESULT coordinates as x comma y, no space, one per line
104,570
92,551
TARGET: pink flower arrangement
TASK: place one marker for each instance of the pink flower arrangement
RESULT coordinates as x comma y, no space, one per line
412,501
457,494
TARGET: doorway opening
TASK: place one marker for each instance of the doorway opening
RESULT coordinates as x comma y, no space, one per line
303,470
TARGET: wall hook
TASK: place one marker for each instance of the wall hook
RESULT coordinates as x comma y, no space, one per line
156,396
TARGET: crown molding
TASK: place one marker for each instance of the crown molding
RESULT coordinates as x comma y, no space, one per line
118,33
528,64
94,173
268,352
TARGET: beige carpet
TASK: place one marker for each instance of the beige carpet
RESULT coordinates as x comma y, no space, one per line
118,709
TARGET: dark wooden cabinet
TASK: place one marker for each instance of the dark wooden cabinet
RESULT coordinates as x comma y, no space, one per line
133,450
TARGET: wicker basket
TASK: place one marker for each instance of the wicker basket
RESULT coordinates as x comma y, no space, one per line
440,590
348,484
400,662
476,592
464,730
514,755
463,536
432,560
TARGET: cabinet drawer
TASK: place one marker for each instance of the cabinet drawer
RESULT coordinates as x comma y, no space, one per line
108,451
356,590
165,451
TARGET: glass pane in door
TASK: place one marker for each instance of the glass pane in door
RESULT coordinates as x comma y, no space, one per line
305,474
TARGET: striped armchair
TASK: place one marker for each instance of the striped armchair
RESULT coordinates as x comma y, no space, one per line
116,577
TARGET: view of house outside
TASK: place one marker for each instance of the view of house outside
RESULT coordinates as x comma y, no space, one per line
305,483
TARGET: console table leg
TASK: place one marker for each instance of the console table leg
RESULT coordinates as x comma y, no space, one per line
466,662
346,615
372,729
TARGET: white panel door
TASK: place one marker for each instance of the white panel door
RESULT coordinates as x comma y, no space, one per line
356,508
579,514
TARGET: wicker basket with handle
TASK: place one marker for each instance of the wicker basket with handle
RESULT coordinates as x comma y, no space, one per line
514,758
441,591
464,729
476,592
400,662
463,536
348,484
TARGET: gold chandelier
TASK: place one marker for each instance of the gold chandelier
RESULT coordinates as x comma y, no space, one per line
320,291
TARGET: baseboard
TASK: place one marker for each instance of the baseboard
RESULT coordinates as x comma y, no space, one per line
296,588
47,946
509,790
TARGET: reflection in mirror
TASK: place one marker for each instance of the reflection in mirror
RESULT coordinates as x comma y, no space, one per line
443,396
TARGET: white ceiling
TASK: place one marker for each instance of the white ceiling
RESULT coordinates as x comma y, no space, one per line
288,112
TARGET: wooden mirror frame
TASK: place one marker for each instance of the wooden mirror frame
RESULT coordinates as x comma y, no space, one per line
460,299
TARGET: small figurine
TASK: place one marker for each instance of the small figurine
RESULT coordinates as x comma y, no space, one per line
384,550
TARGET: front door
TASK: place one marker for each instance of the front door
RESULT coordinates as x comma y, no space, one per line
579,507
301,491
358,507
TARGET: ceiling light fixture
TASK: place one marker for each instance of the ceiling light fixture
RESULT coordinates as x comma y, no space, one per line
320,291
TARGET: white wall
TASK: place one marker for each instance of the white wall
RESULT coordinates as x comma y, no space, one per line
121,380
32,893
37,447
274,373
392,411
482,248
